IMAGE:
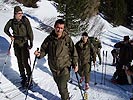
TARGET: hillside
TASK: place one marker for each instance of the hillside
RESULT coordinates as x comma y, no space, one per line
46,88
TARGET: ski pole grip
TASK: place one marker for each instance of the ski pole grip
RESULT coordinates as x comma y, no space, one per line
37,49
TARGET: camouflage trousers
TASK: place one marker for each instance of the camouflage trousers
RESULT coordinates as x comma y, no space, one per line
22,54
84,70
99,55
61,78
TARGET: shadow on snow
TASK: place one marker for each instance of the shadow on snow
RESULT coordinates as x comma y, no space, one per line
13,76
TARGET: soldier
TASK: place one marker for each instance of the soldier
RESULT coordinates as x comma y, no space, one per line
125,58
129,71
85,49
98,47
115,54
61,55
97,44
22,33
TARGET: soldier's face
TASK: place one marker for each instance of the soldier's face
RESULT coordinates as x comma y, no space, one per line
84,38
59,28
19,15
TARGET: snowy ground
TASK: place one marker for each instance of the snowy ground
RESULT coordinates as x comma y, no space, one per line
46,88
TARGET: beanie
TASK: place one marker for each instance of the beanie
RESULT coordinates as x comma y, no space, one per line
17,9
84,34
126,38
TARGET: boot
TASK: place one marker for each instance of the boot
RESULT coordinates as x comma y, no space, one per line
113,80
23,82
29,82
86,86
81,79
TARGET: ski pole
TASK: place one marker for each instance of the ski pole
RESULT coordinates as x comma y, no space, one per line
30,80
79,85
105,67
29,59
95,74
7,55
102,68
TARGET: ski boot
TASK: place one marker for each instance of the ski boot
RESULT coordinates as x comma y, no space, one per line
29,82
81,79
86,86
23,82
86,91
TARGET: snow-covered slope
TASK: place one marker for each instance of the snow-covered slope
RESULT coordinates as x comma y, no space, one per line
46,88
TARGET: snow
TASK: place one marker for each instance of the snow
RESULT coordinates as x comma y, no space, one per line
46,88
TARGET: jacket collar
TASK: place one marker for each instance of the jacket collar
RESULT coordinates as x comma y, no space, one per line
53,34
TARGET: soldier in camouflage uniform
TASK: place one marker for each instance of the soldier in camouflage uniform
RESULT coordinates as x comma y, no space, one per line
85,50
22,33
115,54
61,55
98,46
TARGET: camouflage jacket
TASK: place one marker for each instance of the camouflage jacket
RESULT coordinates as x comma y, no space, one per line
85,52
22,30
61,52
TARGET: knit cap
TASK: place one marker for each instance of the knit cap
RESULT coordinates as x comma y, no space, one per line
17,9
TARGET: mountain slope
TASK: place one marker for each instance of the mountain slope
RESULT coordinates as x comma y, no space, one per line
46,88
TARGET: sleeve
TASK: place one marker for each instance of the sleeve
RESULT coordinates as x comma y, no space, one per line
73,52
118,45
99,44
7,27
44,48
29,30
77,48
93,52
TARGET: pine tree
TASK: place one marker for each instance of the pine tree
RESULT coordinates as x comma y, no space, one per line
76,11
29,3
107,9
118,12
129,16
